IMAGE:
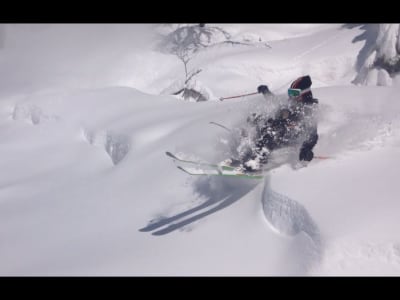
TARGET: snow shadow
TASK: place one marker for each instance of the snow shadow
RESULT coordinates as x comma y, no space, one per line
117,146
219,192
32,114
290,218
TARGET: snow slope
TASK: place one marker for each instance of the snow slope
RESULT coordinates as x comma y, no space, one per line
86,187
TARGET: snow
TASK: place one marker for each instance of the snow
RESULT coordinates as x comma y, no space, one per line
380,54
86,187
387,39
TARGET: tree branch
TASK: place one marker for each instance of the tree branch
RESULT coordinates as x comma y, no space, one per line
192,75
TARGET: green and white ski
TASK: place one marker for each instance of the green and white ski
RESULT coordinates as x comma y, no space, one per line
198,163
208,169
230,173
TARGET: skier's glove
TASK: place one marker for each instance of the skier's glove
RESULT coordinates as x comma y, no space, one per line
263,89
306,154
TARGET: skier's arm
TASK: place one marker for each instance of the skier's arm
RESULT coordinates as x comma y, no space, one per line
312,140
307,146
310,118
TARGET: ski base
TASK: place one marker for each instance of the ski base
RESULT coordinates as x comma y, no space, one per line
232,173
199,164
197,168
207,169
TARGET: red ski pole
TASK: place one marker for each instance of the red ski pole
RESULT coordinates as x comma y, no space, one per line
223,98
323,157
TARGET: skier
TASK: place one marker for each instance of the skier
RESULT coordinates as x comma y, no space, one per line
293,125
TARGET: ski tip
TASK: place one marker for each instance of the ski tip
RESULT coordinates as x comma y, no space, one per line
169,154
182,169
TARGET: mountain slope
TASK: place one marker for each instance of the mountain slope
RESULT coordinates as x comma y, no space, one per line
87,189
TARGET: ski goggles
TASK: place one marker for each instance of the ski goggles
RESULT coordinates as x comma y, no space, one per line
294,93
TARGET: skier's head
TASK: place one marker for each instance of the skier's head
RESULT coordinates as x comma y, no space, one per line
300,90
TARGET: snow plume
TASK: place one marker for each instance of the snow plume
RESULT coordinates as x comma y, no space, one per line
379,60
241,139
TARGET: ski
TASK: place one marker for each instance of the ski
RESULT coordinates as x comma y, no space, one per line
197,168
230,173
199,164
323,157
220,125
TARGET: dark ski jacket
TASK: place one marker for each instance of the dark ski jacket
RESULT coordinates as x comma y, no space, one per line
294,124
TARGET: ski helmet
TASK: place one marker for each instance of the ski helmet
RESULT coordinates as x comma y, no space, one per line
300,89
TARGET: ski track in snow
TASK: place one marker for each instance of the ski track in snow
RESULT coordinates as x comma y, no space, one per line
290,218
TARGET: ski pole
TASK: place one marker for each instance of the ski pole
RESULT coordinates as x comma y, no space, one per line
323,157
220,125
250,94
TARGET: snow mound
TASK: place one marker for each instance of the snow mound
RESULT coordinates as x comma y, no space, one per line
116,146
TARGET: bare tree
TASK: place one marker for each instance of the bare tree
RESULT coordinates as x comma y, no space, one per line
185,56
185,41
